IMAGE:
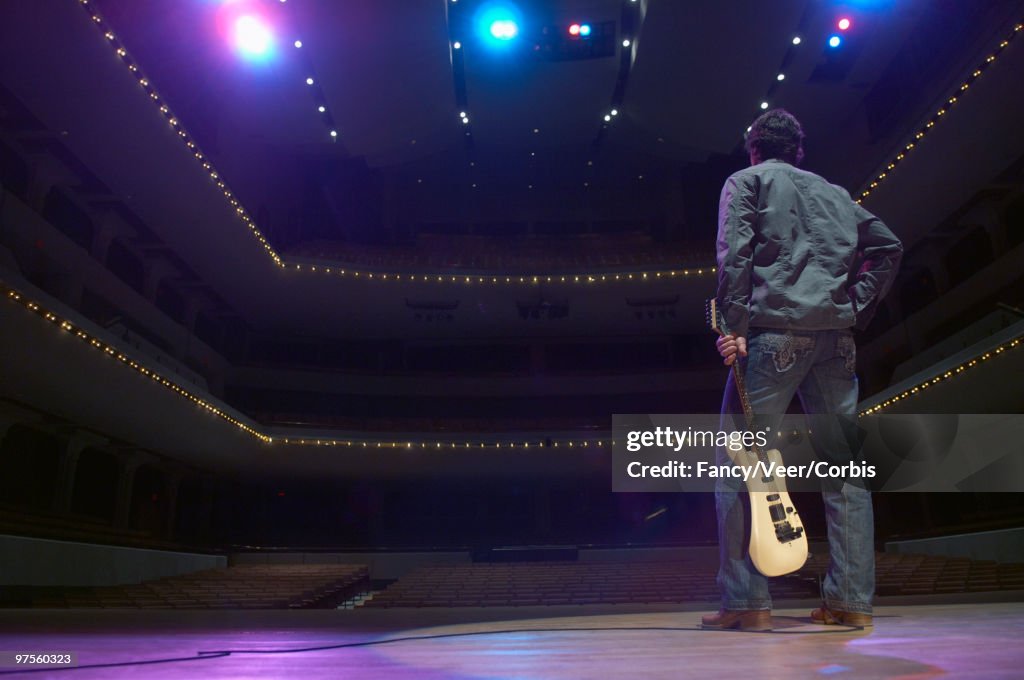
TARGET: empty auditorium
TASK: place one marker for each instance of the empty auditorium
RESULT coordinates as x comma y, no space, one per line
487,339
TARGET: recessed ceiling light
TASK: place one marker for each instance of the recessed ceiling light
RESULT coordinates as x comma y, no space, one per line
309,81
321,108
781,76
796,40
625,43
764,105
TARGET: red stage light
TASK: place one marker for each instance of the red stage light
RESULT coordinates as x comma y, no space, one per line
574,29
844,24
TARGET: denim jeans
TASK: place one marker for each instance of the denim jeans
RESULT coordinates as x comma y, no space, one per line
818,366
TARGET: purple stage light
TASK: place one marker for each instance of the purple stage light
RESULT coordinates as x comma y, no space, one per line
252,37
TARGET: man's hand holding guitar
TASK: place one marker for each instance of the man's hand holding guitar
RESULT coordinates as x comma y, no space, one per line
729,346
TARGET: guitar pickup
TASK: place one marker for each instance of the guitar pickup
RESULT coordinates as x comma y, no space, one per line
773,497
785,532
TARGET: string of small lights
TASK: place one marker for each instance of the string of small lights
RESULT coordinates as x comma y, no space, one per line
313,83
938,115
193,148
779,78
448,444
517,279
65,326
116,354
944,376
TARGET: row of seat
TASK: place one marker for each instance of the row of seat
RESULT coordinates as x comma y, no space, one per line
920,574
519,584
514,584
238,587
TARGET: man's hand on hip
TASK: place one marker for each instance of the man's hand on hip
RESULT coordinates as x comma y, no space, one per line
730,346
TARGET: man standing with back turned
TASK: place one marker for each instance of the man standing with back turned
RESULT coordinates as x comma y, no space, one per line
799,264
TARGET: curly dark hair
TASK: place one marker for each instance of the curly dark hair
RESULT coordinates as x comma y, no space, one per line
776,134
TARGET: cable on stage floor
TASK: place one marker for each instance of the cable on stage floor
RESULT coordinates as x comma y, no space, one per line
220,654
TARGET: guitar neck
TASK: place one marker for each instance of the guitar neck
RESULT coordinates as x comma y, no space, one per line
748,411
717,324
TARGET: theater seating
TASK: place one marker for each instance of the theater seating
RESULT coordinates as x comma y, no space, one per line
551,583
923,574
518,584
241,587
511,584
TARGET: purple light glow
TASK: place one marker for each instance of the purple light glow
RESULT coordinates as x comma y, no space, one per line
252,37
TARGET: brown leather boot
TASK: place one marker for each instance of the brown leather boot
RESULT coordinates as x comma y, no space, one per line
739,619
827,617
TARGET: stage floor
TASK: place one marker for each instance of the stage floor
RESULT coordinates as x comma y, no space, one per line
966,640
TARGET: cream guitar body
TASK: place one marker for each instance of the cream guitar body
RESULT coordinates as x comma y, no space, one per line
778,541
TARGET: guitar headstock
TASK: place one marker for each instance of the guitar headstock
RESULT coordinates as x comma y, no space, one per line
714,318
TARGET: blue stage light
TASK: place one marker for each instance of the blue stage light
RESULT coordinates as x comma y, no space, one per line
504,29
835,41
584,29
498,23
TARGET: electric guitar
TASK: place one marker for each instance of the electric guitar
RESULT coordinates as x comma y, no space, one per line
778,542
